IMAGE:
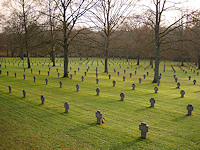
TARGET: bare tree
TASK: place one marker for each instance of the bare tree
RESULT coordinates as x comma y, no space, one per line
107,17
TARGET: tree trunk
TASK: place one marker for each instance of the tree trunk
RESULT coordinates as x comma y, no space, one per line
199,62
138,60
66,62
151,62
106,62
53,60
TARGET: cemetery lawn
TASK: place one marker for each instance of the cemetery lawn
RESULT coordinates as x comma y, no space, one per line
26,124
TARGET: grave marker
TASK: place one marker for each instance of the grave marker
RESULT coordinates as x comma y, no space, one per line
122,95
97,81
66,105
156,89
140,80
34,78
42,98
114,82
60,84
24,93
98,91
190,109
182,92
46,80
178,85
99,117
194,81
152,101
144,129
77,87
10,88
133,85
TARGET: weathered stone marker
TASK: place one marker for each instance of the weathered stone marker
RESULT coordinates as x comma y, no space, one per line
24,76
178,85
182,93
58,74
24,93
194,81
97,81
152,101
144,129
156,89
189,77
46,80
133,85
66,105
82,78
109,76
60,84
70,76
158,82
176,79
144,76
15,75
34,78
190,109
7,73
10,88
122,95
124,78
99,117
42,98
77,87
98,91
140,80
114,82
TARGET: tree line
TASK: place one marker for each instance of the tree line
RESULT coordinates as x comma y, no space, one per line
99,28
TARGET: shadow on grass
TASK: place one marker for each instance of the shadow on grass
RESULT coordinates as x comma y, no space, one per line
181,118
131,144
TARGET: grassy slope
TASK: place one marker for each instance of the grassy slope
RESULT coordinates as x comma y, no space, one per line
26,124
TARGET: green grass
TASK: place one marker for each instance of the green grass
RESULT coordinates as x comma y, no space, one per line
26,124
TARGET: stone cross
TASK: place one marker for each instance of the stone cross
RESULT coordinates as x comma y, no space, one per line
147,73
152,101
60,84
178,85
144,76
140,80
42,98
24,76
85,73
77,87
46,80
15,75
182,93
189,77
7,73
130,75
133,85
190,109
82,77
118,73
176,79
144,129
97,81
114,82
57,69
124,78
158,82
124,71
194,81
174,76
58,74
24,93
75,72
109,76
156,89
10,88
78,69
96,75
98,91
48,73
39,71
135,72
34,78
70,76
122,95
66,105
99,117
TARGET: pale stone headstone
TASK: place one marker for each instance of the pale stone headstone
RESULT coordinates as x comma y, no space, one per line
156,89
122,95
24,93
152,101
42,98
98,91
99,117
60,84
190,109
144,129
66,105
46,80
10,88
182,92
77,87
133,85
